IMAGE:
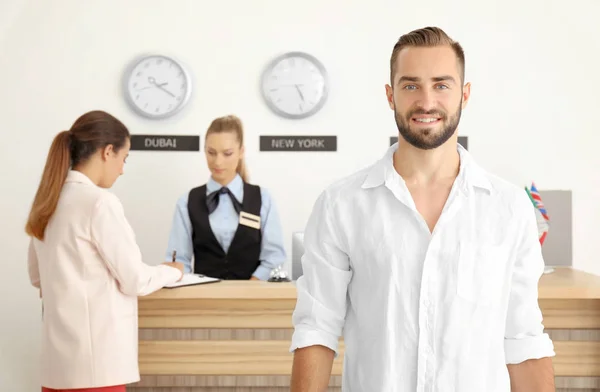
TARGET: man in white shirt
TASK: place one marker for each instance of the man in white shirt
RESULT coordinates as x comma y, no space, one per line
428,263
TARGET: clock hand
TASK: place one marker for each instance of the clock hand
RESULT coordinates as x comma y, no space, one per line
299,92
152,81
158,85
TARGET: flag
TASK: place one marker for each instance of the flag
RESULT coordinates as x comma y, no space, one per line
543,220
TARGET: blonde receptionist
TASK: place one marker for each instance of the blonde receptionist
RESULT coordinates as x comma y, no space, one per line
227,228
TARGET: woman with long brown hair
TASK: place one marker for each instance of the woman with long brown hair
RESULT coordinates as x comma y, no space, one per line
229,227
84,259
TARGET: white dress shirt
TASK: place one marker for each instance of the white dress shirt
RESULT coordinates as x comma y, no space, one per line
90,270
420,311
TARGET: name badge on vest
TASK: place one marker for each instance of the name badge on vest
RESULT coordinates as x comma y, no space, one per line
249,220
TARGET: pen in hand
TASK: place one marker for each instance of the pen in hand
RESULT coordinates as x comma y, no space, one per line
175,264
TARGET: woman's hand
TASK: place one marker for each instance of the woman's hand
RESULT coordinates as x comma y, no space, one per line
178,265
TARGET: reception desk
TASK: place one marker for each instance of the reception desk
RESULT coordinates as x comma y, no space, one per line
235,335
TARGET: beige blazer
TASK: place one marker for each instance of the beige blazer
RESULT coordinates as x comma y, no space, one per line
90,271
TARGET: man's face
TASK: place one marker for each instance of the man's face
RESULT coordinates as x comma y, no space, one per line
427,95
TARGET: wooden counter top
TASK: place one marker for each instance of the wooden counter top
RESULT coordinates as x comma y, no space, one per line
563,283
569,283
230,290
191,336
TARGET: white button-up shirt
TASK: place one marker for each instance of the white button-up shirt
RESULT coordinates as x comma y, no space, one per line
420,311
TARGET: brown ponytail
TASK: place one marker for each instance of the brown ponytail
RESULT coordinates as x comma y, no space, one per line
90,132
231,123
55,172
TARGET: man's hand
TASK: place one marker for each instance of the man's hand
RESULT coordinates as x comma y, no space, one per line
253,278
534,375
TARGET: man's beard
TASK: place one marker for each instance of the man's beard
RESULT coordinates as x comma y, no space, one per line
424,138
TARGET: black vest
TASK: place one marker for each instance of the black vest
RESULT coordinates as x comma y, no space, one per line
243,255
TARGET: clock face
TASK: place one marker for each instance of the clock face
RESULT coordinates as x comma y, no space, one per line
294,85
157,86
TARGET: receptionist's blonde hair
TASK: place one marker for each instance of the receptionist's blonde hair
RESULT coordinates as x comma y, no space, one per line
231,123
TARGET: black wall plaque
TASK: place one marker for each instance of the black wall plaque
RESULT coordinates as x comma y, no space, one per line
165,143
298,143
462,140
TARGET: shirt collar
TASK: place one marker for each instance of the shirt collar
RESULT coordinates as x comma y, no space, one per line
77,176
236,186
380,171
470,175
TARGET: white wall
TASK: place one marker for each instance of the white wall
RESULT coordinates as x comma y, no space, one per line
533,113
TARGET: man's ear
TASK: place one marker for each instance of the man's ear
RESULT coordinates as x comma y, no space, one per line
389,93
466,94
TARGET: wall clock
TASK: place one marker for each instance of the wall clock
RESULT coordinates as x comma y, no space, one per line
295,85
157,86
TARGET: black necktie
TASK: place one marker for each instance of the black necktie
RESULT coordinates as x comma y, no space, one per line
212,200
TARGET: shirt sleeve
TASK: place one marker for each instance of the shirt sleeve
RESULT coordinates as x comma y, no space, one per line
115,240
33,266
272,250
180,237
320,311
524,333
